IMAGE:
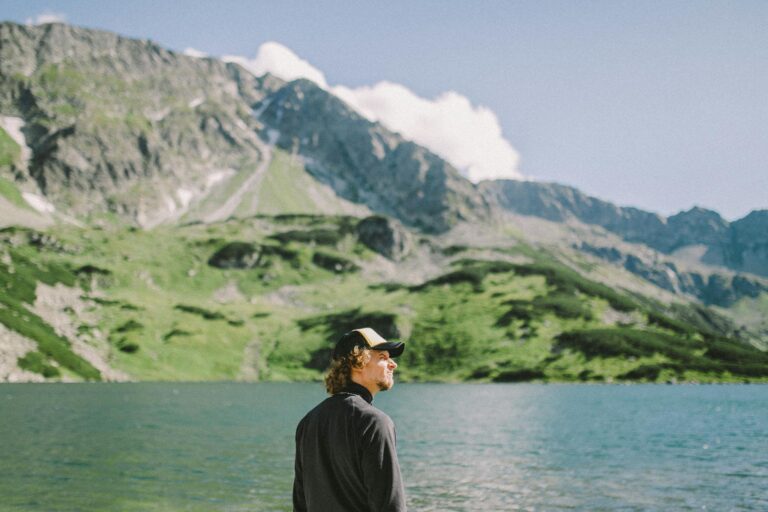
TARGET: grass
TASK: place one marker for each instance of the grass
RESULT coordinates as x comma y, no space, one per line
38,363
162,304
9,151
714,355
283,186
18,282
9,191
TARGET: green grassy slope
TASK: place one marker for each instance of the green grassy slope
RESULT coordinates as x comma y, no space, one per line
265,297
9,191
9,154
20,272
9,150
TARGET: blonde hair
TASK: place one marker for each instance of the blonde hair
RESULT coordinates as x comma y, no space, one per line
340,372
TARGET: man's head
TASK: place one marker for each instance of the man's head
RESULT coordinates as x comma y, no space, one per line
364,357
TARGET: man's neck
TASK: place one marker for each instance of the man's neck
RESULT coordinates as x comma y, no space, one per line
372,389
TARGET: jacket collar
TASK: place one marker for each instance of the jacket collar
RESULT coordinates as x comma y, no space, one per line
357,389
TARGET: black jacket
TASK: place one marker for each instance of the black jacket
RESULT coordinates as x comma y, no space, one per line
345,457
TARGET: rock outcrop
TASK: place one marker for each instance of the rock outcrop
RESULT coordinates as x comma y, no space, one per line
384,236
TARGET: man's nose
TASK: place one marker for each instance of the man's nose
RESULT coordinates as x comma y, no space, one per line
392,364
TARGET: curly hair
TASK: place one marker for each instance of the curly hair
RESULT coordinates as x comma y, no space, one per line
340,372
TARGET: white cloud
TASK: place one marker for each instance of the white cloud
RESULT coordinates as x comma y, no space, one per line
191,52
280,61
468,136
47,17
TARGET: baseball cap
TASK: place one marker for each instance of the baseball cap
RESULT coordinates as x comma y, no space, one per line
366,338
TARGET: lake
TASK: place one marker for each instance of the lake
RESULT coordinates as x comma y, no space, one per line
463,447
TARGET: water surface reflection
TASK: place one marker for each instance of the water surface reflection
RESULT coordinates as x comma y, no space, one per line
462,447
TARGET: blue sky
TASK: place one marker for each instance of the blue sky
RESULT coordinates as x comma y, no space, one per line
658,105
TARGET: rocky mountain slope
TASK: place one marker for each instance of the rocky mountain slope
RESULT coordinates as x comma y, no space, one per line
698,233
365,162
124,127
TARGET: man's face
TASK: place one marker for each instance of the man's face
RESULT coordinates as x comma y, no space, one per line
378,373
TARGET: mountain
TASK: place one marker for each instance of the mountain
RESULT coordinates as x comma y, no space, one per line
698,233
169,217
122,126
365,162
184,127
746,248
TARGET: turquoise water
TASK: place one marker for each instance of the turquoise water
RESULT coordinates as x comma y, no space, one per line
229,447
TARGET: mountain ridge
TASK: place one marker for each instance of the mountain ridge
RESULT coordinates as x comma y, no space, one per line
741,245
256,191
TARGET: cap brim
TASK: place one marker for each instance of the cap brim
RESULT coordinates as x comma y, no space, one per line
395,348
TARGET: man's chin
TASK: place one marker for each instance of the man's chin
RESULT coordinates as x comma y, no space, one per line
385,385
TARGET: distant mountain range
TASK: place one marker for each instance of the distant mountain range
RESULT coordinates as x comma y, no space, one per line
99,130
741,245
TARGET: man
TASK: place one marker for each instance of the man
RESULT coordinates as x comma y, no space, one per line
345,447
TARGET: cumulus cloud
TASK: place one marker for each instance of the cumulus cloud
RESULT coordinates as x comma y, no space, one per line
47,17
280,61
467,136
191,52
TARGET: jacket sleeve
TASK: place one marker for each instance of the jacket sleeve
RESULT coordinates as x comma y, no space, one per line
381,469
299,501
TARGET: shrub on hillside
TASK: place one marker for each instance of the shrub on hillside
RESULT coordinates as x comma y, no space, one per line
568,281
91,270
627,342
472,272
732,351
336,324
563,306
333,262
519,310
519,375
315,236
454,250
705,320
287,254
670,323
648,372
559,304
720,355
238,255
438,351
130,325
126,346
175,332
37,363
194,310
